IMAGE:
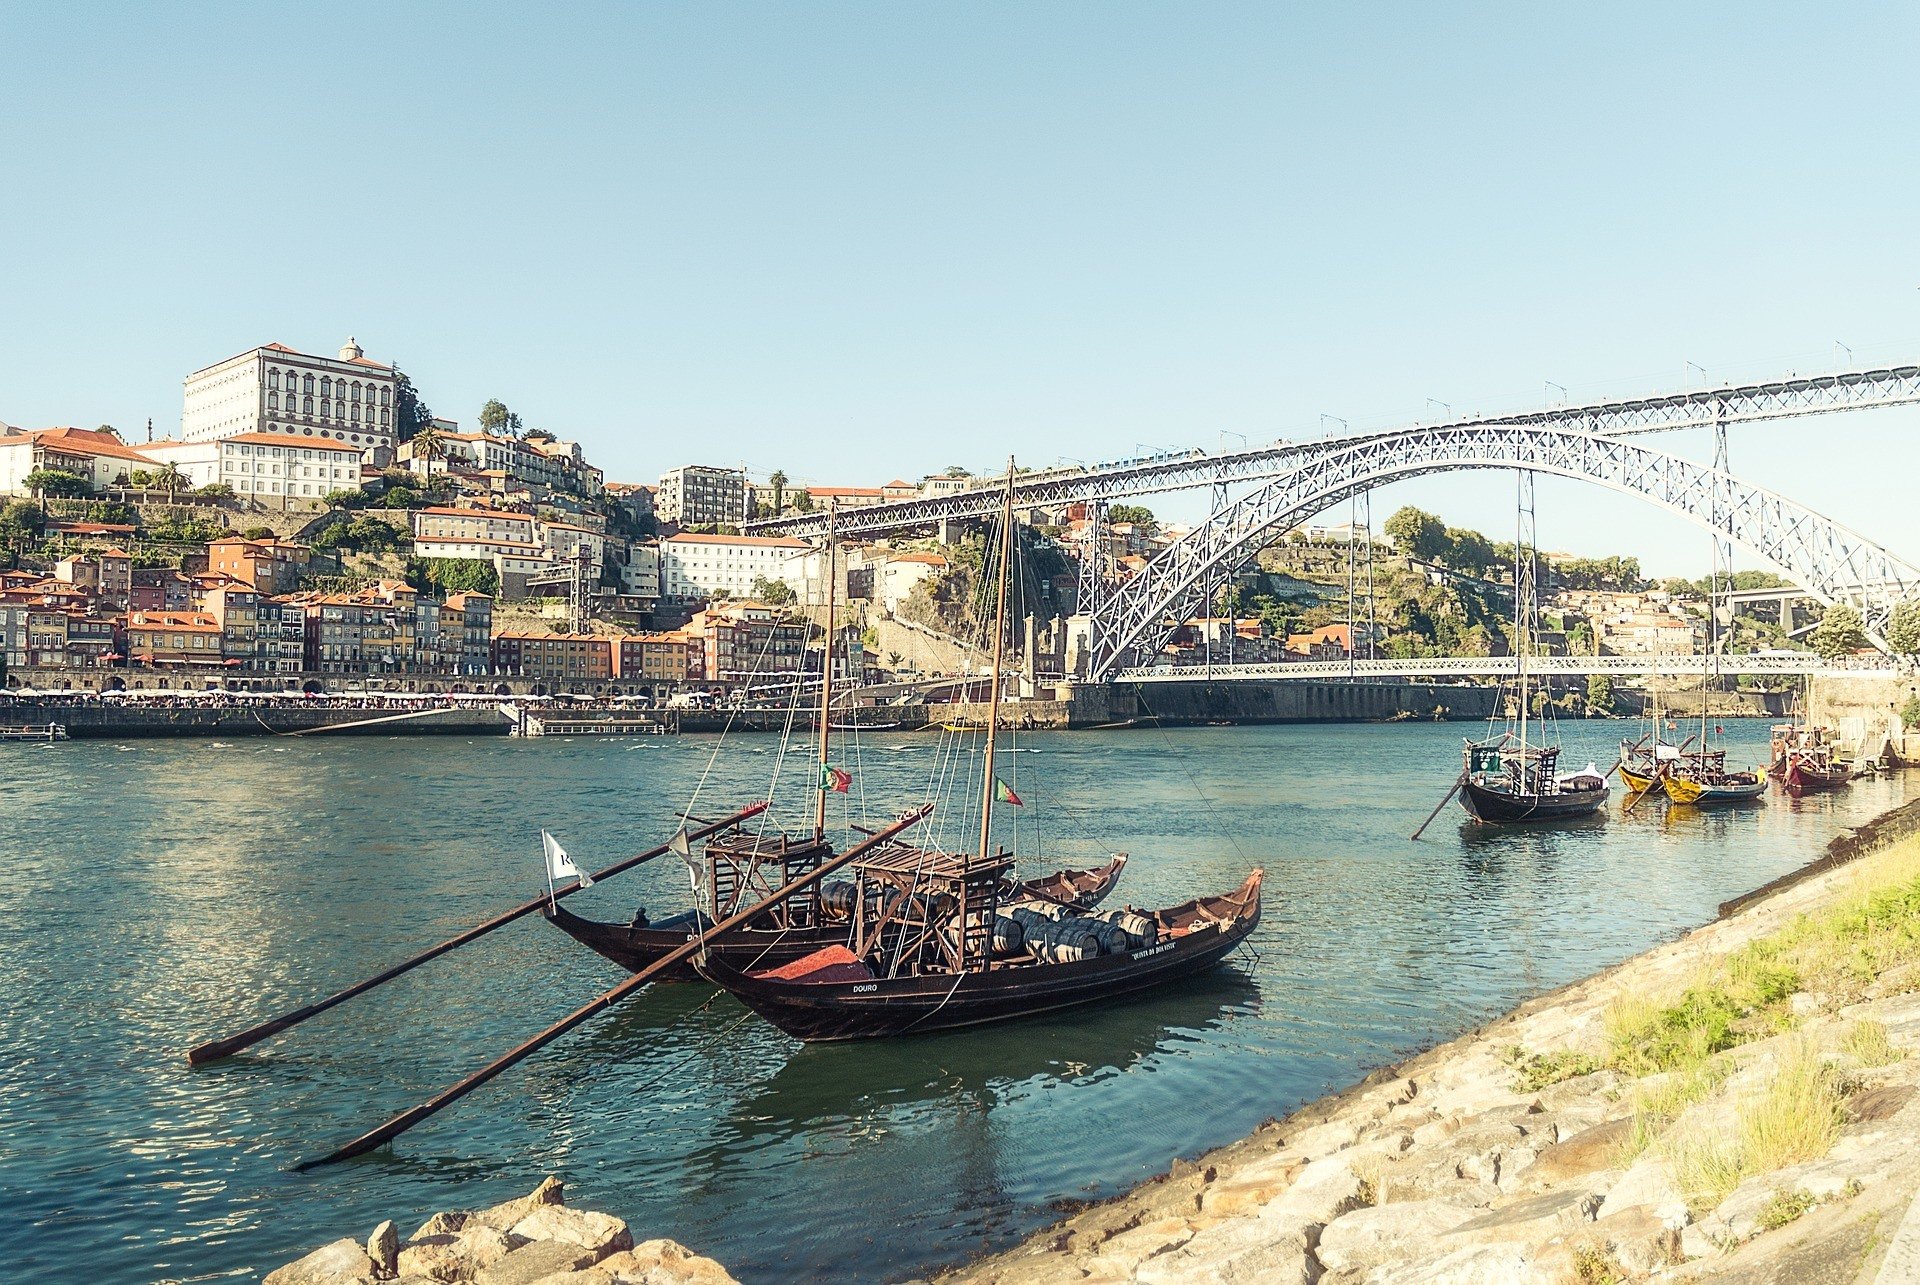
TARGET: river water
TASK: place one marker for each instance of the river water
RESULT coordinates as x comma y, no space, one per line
162,892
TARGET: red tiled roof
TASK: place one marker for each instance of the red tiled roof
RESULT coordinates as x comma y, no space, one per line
499,514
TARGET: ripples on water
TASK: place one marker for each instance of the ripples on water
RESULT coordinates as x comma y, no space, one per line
163,892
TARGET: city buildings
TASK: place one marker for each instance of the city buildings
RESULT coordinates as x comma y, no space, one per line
528,654
277,390
269,469
695,567
749,642
266,566
95,455
700,495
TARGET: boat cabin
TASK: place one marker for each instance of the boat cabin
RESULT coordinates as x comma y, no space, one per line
742,869
917,910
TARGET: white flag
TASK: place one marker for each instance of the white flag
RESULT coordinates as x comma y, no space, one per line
559,864
681,848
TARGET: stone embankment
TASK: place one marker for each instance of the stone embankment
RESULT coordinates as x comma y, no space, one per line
1741,1104
535,1239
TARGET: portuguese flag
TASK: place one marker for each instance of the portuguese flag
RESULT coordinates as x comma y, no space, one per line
1003,792
832,778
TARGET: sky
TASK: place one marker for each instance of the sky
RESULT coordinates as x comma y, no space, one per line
859,241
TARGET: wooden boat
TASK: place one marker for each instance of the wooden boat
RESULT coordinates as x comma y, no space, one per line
1506,781
790,932
1702,780
1803,759
840,994
30,732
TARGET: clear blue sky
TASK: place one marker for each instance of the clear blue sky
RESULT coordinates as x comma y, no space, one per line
859,240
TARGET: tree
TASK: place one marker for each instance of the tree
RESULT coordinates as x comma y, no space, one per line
259,533
1600,693
1910,712
1839,632
454,575
1903,628
775,593
410,414
955,471
778,481
169,478
1137,514
57,482
495,417
141,477
1468,552
1418,534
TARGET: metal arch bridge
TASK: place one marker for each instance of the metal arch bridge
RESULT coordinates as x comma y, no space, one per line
1297,480
1188,470
1503,667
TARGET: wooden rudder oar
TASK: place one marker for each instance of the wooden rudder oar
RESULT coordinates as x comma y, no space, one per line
447,1097
213,1050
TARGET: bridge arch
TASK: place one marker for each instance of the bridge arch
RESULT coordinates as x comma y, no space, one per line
1828,560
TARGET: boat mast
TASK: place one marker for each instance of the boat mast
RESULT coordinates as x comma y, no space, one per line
1522,604
999,643
826,684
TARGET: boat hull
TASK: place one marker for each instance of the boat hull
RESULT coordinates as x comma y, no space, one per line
1805,778
1694,794
753,949
870,1009
1638,782
1499,807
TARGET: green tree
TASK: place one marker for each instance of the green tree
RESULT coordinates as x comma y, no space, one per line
58,483
494,416
778,481
1910,712
1418,534
170,479
1137,514
954,470
259,533
1600,693
453,575
1903,628
429,444
775,593
215,491
1839,632
1468,552
410,414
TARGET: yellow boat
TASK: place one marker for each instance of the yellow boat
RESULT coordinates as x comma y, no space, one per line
1638,782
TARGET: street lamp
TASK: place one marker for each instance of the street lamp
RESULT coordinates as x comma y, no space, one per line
1548,397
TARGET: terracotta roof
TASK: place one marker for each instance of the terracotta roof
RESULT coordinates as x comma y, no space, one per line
756,541
87,441
499,514
288,439
931,559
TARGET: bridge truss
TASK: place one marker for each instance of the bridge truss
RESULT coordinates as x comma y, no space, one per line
1835,564
1502,667
1187,470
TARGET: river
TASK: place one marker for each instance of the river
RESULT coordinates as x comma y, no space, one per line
162,892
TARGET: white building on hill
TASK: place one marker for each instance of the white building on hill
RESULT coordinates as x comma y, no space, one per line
275,389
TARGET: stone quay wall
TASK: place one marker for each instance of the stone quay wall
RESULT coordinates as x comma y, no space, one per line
114,720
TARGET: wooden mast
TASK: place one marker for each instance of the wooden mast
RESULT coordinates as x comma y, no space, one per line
826,686
999,642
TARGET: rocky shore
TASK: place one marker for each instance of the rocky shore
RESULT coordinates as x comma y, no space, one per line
1741,1104
536,1238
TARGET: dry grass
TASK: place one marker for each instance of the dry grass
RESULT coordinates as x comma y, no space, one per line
1867,1044
1796,1117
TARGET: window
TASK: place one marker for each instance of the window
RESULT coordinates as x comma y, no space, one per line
306,386
356,390
386,416
385,394
273,379
273,401
326,386
307,405
356,408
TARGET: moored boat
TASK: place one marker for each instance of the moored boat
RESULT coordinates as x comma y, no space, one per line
1508,781
31,732
838,994
1702,780
794,932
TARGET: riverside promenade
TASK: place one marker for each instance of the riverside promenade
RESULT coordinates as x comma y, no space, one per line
1740,1104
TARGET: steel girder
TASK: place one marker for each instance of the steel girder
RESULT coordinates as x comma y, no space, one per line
1833,563
1500,666
1155,475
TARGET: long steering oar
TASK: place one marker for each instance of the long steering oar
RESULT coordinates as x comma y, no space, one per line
1458,781
215,1049
447,1097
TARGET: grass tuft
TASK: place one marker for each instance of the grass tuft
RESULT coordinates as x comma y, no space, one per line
1785,1207
1537,1071
1867,1043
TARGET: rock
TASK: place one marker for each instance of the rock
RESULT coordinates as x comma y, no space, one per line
1647,1184
1386,1233
601,1233
1879,1104
506,1214
442,1225
383,1247
533,1261
1262,1250
343,1262
1322,1140
1638,1239
1324,1190
664,1262
584,1276
1586,1152
1119,1255
454,1256
1531,1220
1252,1186
1474,1265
